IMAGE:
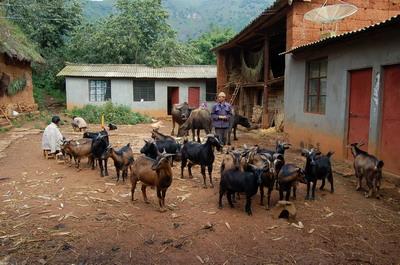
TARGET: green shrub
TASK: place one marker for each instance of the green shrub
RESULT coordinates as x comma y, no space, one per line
16,86
118,114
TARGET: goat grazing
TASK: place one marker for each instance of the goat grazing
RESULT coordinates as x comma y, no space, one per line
368,166
123,159
154,173
233,180
200,154
78,149
288,177
317,167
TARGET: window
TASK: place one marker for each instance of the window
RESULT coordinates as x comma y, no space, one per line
211,89
143,89
316,86
99,90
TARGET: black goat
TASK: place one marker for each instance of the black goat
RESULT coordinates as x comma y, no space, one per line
234,180
234,122
288,178
123,159
99,153
153,148
317,167
368,166
200,154
112,127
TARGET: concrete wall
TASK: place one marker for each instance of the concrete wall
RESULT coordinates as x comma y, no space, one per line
329,131
77,90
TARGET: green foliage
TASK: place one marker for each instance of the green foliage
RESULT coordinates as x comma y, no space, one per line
16,86
46,22
210,40
113,113
191,18
137,33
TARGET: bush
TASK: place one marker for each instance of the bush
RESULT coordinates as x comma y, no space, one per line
117,114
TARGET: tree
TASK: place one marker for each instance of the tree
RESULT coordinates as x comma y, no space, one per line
46,22
209,40
137,33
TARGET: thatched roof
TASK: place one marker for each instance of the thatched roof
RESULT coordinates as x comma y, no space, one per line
16,45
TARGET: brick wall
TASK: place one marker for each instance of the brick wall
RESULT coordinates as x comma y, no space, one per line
301,31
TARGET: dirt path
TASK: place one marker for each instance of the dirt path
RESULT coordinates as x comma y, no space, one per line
52,214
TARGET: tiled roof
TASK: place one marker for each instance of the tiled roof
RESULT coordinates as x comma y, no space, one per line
346,35
139,71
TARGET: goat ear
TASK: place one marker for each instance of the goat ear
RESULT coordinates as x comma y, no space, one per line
145,141
305,152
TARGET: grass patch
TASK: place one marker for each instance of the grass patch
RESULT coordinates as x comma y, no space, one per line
4,130
117,114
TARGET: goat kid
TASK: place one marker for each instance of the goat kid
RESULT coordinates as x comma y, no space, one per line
369,167
317,167
123,159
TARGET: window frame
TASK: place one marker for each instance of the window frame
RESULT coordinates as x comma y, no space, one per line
211,96
108,87
308,87
153,99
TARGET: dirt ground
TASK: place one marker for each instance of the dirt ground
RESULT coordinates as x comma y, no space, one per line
52,214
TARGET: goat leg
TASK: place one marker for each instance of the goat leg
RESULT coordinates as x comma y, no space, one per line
262,194
117,174
281,194
234,134
144,193
221,194
134,182
193,135
370,189
198,135
313,189
163,193
287,197
308,191
229,197
294,191
105,167
322,184
190,170
248,205
183,165
160,200
203,173
359,184
269,195
330,179
210,168
101,167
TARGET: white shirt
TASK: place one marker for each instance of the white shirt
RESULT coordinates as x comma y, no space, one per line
52,138
79,122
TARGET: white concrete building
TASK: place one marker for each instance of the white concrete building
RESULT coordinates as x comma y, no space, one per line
147,90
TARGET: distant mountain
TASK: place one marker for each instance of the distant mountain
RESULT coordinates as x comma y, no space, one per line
190,18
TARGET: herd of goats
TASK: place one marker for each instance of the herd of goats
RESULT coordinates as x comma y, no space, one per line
243,170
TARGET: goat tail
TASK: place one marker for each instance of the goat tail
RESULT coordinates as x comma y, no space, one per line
329,154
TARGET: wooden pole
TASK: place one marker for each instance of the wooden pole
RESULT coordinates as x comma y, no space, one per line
265,118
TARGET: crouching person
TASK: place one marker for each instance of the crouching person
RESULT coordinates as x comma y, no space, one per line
52,137
78,124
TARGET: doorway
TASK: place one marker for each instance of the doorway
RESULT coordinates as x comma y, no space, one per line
194,97
359,107
173,97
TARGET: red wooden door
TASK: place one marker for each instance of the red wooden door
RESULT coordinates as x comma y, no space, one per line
390,139
359,109
194,97
175,95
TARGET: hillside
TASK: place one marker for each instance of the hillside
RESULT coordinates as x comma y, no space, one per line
191,18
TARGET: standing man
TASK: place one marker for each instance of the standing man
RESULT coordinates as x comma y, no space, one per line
52,137
221,114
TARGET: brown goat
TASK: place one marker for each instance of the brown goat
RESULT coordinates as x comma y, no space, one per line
156,135
78,149
123,159
154,173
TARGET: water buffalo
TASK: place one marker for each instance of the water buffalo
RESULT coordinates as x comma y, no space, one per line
198,119
180,113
